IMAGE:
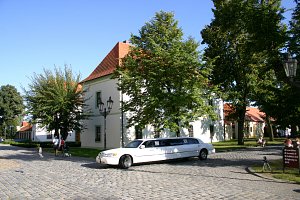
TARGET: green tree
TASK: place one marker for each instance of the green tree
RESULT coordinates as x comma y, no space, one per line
11,107
55,100
294,40
163,77
277,96
243,41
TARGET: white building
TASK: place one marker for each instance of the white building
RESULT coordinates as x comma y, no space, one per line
36,133
100,85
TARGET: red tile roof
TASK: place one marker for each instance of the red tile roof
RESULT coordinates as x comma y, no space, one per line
252,114
110,62
26,126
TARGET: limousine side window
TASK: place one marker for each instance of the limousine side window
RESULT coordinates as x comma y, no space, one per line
192,141
156,143
164,143
149,144
174,142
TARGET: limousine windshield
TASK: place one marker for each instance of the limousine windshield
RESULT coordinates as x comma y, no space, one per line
134,144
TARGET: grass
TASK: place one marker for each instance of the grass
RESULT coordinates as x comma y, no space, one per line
78,151
230,145
289,174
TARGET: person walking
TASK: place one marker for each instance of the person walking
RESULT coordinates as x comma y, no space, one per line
55,145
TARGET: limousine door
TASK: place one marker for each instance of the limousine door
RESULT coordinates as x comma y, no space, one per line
181,148
149,152
191,147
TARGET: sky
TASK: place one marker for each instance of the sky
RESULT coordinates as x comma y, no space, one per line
42,34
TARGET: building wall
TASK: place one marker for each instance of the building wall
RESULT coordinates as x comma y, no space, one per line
107,87
40,134
252,129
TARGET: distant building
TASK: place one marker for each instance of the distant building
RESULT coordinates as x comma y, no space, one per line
254,122
36,133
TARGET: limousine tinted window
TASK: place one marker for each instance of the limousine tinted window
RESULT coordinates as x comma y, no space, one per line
174,142
192,141
133,144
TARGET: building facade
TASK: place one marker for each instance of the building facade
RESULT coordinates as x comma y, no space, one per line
254,125
36,133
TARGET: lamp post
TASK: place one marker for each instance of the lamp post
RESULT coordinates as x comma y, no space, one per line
290,68
104,112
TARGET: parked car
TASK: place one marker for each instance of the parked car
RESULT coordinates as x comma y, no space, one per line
157,149
1,139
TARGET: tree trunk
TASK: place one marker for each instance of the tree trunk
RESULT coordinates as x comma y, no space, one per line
178,128
56,132
293,130
271,136
241,120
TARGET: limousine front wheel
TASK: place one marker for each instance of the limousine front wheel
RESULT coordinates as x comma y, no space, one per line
203,154
125,161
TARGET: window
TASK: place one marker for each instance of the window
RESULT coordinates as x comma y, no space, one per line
98,134
191,131
138,133
98,99
212,131
49,135
174,142
192,141
149,144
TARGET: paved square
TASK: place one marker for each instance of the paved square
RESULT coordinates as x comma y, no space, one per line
25,175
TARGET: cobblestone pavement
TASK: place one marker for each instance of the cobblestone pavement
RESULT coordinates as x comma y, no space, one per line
24,175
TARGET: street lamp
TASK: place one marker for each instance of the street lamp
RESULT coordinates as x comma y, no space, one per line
104,112
290,67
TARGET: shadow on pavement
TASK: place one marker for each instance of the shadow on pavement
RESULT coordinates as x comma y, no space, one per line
96,166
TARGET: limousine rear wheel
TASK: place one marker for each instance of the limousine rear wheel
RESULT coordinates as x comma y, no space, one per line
125,161
203,154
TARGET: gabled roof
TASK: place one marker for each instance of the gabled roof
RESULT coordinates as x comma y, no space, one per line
110,62
252,114
26,126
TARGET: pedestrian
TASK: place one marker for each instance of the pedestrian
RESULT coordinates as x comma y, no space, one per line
261,141
41,152
62,145
55,145
288,142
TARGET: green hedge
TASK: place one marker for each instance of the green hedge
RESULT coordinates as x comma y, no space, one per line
24,144
50,144
29,144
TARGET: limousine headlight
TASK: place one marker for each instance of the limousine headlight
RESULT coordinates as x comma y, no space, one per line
108,154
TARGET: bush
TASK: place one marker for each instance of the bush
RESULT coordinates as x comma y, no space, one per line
24,144
74,144
30,144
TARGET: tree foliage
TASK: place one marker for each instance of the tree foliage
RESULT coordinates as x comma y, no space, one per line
55,100
294,40
243,40
162,75
11,106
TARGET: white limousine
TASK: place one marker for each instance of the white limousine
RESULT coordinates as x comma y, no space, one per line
157,149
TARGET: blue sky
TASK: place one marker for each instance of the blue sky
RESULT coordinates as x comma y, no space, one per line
38,34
